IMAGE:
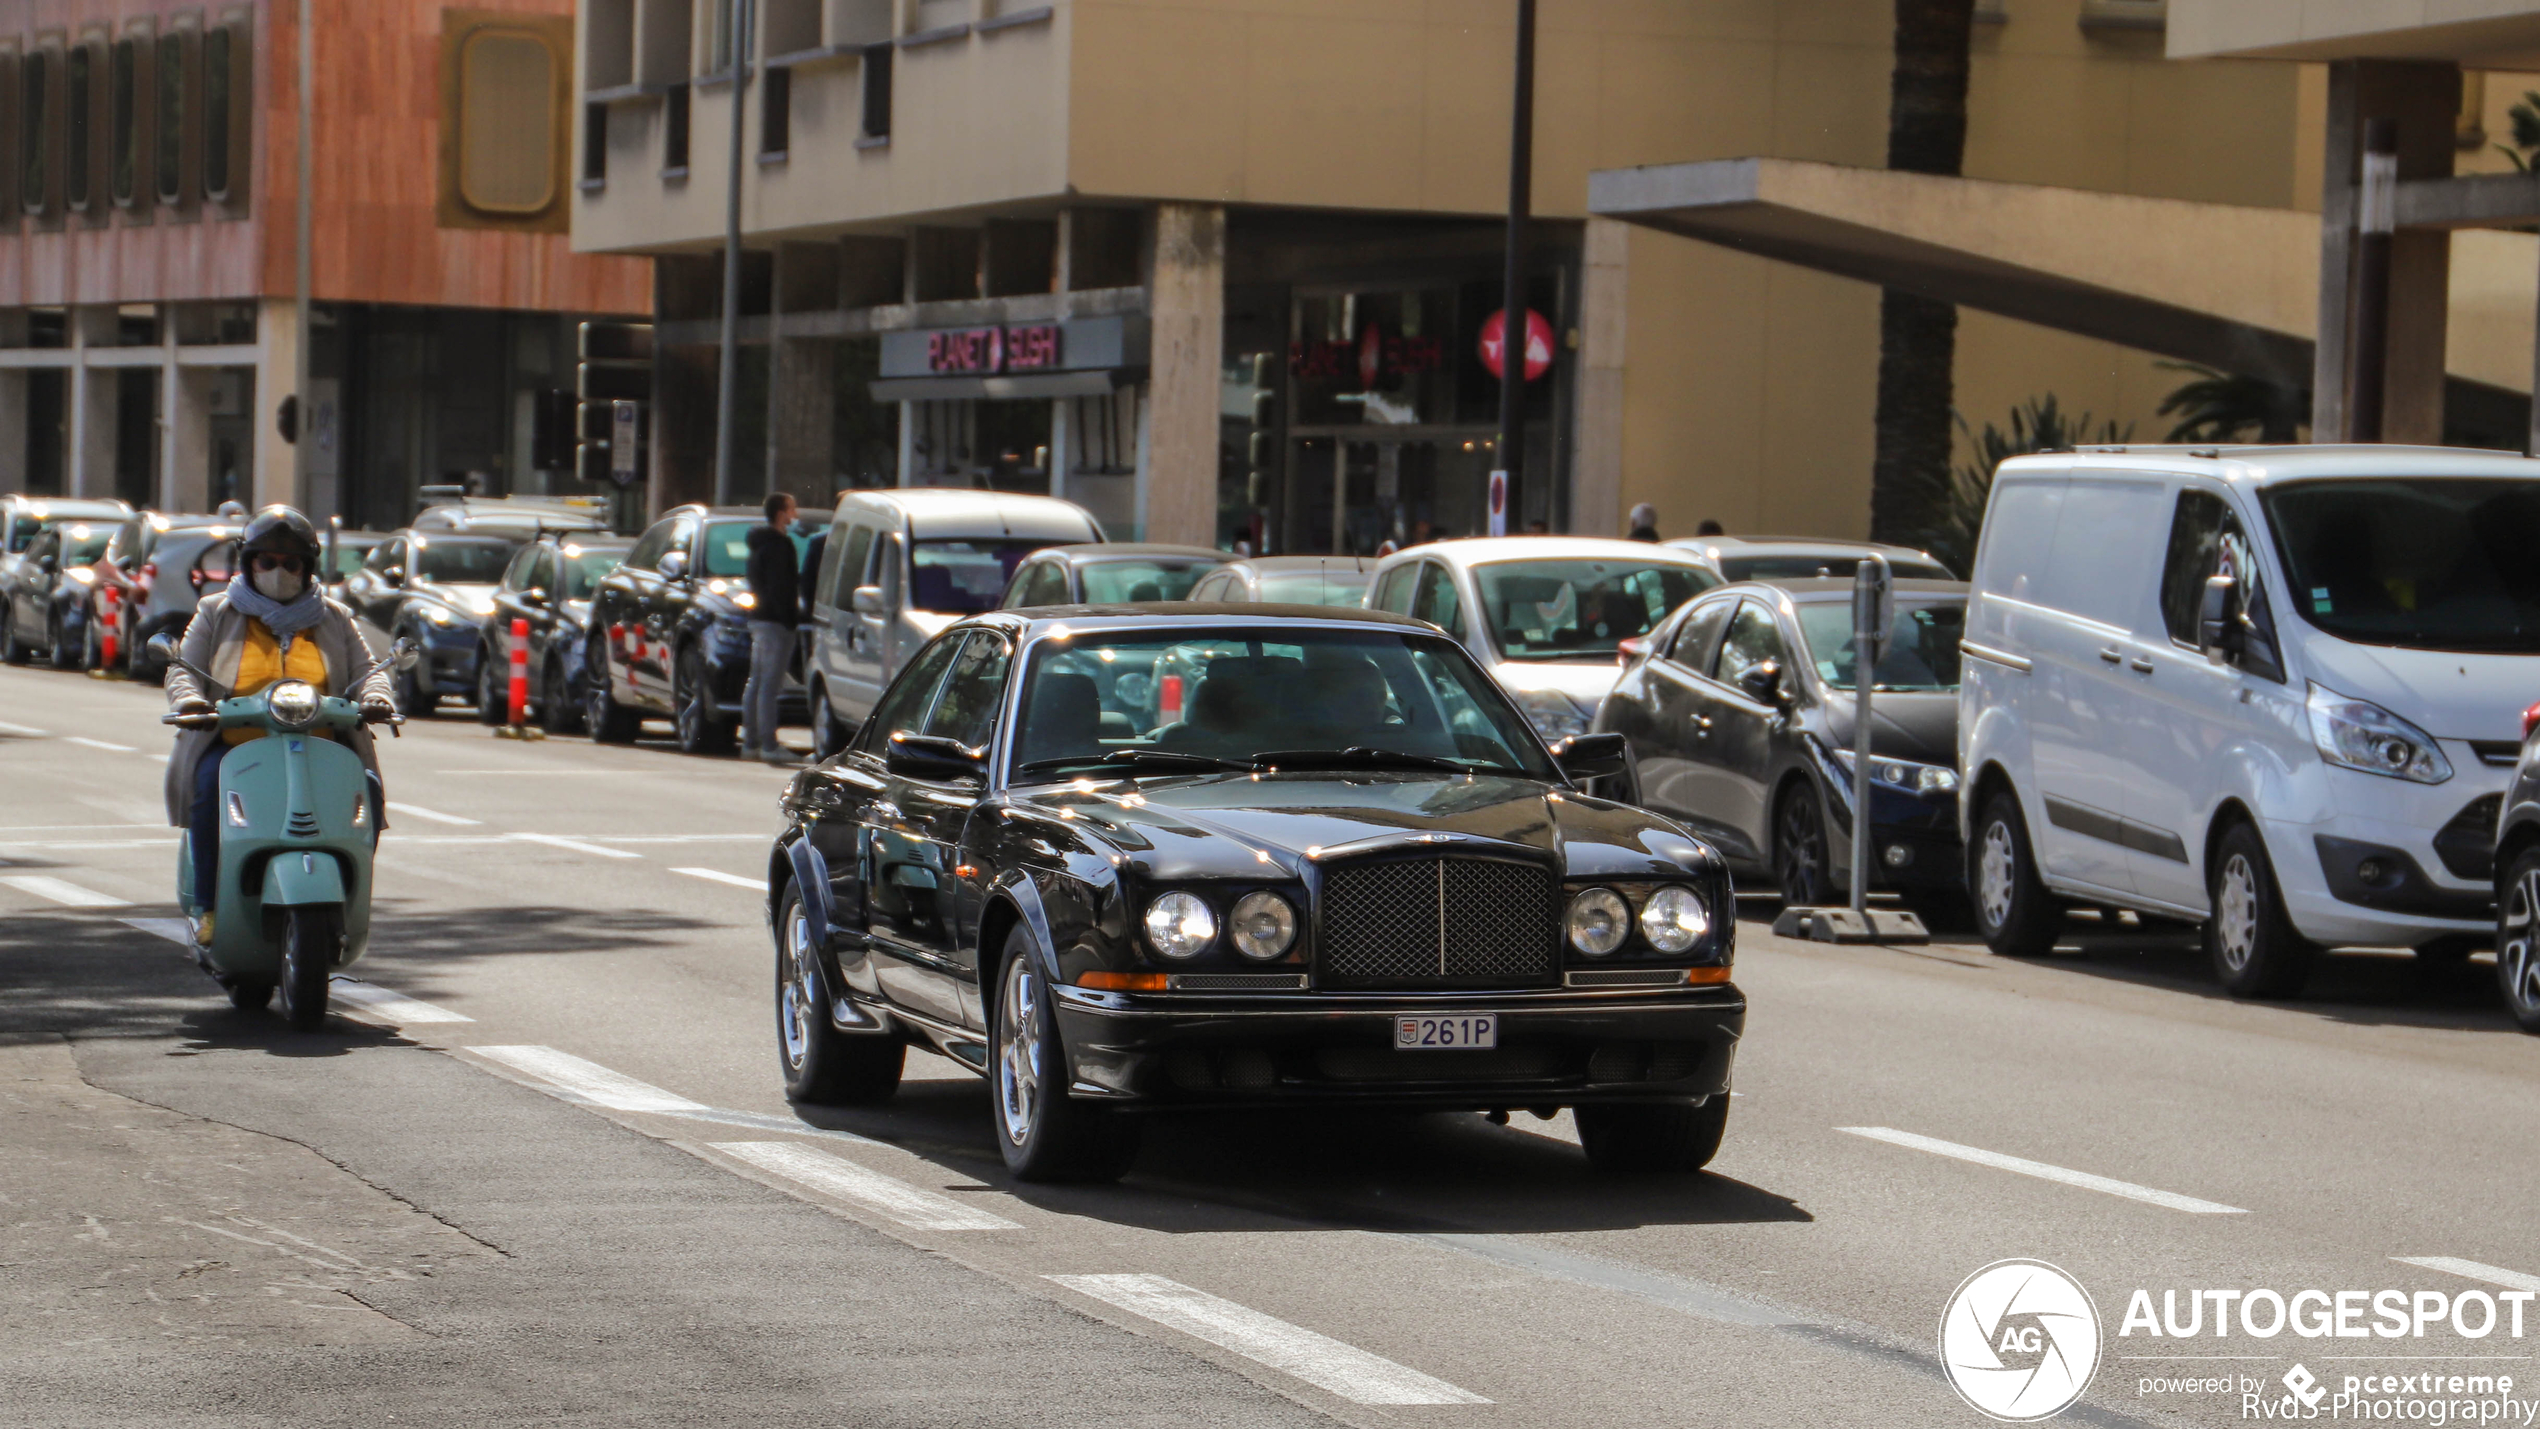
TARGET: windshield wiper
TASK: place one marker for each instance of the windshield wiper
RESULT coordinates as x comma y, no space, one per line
1361,755
1173,757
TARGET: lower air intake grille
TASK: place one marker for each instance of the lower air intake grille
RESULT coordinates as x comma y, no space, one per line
1437,922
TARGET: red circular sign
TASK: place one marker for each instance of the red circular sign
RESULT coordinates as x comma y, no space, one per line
1538,343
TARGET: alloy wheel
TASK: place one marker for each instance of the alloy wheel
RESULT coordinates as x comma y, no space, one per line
2236,912
1800,852
2518,951
798,999
1018,1051
690,701
1996,863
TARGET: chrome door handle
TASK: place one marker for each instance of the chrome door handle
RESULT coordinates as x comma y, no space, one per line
1702,724
2112,655
2140,665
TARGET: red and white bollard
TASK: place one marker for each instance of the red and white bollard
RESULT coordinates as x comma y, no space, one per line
106,621
519,728
1168,699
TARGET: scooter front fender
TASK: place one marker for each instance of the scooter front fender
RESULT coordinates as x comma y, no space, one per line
300,880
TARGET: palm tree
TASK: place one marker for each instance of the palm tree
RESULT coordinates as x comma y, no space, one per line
1918,336
2038,425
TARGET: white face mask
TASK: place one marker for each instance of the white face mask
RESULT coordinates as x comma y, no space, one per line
277,585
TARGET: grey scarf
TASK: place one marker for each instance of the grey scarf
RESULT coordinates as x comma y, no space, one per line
285,619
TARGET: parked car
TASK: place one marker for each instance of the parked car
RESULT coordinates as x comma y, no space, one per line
2269,689
1110,573
44,593
549,584
351,548
434,588
1394,895
669,631
1546,614
898,567
1776,558
22,517
170,577
1739,714
519,517
1288,580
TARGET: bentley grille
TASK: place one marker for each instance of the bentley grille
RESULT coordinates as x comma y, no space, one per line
1438,922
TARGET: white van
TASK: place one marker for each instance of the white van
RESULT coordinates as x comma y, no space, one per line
2276,690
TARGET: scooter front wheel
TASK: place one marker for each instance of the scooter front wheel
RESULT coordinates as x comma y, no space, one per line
311,940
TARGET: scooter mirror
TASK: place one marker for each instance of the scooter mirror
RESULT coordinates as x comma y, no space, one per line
163,648
405,653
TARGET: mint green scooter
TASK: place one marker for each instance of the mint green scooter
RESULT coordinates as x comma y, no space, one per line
297,823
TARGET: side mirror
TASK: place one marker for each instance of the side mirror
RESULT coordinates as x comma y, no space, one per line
2221,625
674,565
1762,683
394,575
48,564
535,595
405,654
868,600
933,757
1590,756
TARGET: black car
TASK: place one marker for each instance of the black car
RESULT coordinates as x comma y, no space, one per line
1392,895
44,593
1105,573
1739,713
548,584
436,588
670,629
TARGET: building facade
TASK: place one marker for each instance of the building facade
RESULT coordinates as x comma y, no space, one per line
148,200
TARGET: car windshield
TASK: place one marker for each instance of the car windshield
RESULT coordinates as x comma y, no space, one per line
1922,646
1836,564
1315,587
583,568
2428,563
462,560
1579,610
964,577
1112,582
1385,698
728,546
83,543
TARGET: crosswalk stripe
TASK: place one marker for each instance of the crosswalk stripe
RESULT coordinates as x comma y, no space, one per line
715,875
2025,1167
1318,1359
2472,1270
63,891
392,1007
836,1176
577,845
590,1081
433,815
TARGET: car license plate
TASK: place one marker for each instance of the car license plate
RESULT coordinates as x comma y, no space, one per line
1472,1029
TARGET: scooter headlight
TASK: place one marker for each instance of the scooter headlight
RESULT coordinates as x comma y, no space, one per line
293,702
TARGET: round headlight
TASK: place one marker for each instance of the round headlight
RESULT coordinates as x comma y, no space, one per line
1674,919
293,702
1599,919
1180,925
1264,926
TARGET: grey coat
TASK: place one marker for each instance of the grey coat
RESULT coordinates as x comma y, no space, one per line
214,643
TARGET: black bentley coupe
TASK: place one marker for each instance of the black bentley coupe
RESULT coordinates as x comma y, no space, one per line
1339,868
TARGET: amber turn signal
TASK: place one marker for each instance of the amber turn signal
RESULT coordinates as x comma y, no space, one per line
1698,976
1121,982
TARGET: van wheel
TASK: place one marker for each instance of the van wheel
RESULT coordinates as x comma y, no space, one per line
1802,864
2518,939
828,737
2016,915
2256,951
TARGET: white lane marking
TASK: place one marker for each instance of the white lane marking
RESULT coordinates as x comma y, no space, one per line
163,758
518,772
175,930
69,828
1708,1302
684,838
577,845
419,812
25,730
712,875
99,744
588,1080
2025,1167
837,1176
390,1006
86,844
1344,1369
2472,1270
63,892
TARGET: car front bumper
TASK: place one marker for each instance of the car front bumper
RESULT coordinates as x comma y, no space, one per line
1557,1047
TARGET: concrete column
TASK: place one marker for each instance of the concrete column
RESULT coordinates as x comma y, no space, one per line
1062,443
185,474
1186,301
1596,473
908,444
802,424
273,478
2424,97
90,394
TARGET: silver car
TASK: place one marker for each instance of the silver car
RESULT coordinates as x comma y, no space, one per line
1799,558
901,564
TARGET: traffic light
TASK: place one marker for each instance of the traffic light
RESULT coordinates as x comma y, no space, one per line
612,385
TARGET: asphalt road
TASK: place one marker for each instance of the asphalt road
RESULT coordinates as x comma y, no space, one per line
558,1182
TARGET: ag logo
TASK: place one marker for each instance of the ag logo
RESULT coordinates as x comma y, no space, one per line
2019,1340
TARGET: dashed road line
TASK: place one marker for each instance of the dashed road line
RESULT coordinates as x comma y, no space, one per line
62,891
836,1176
417,811
588,1081
2472,1270
2023,1166
24,731
716,875
99,744
1705,1302
1318,1359
394,1008
576,845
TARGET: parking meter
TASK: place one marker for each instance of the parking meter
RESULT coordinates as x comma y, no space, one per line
1873,613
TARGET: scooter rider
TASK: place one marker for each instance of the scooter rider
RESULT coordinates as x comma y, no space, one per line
272,621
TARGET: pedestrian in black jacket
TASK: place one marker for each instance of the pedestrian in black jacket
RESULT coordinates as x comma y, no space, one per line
775,610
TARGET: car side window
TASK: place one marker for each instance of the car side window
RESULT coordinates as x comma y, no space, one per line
1438,602
904,705
683,536
1394,591
516,576
1210,587
1753,638
846,565
2206,540
647,553
546,575
1700,633
967,709
41,547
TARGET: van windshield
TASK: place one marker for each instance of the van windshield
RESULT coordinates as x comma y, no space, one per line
2428,563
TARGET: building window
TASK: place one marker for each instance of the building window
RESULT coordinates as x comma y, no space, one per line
170,125
877,92
79,96
34,132
226,56
507,96
776,112
11,130
719,44
674,139
123,99
595,143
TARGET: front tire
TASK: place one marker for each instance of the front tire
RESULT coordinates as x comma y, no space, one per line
312,940
414,699
611,722
2518,939
823,1066
828,737
559,703
1661,1136
1802,863
2256,950
63,654
2015,914
692,704
12,650
1045,1134
493,701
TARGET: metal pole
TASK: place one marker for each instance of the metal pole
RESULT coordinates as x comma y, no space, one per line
2376,221
1869,638
728,379
1512,331
302,284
